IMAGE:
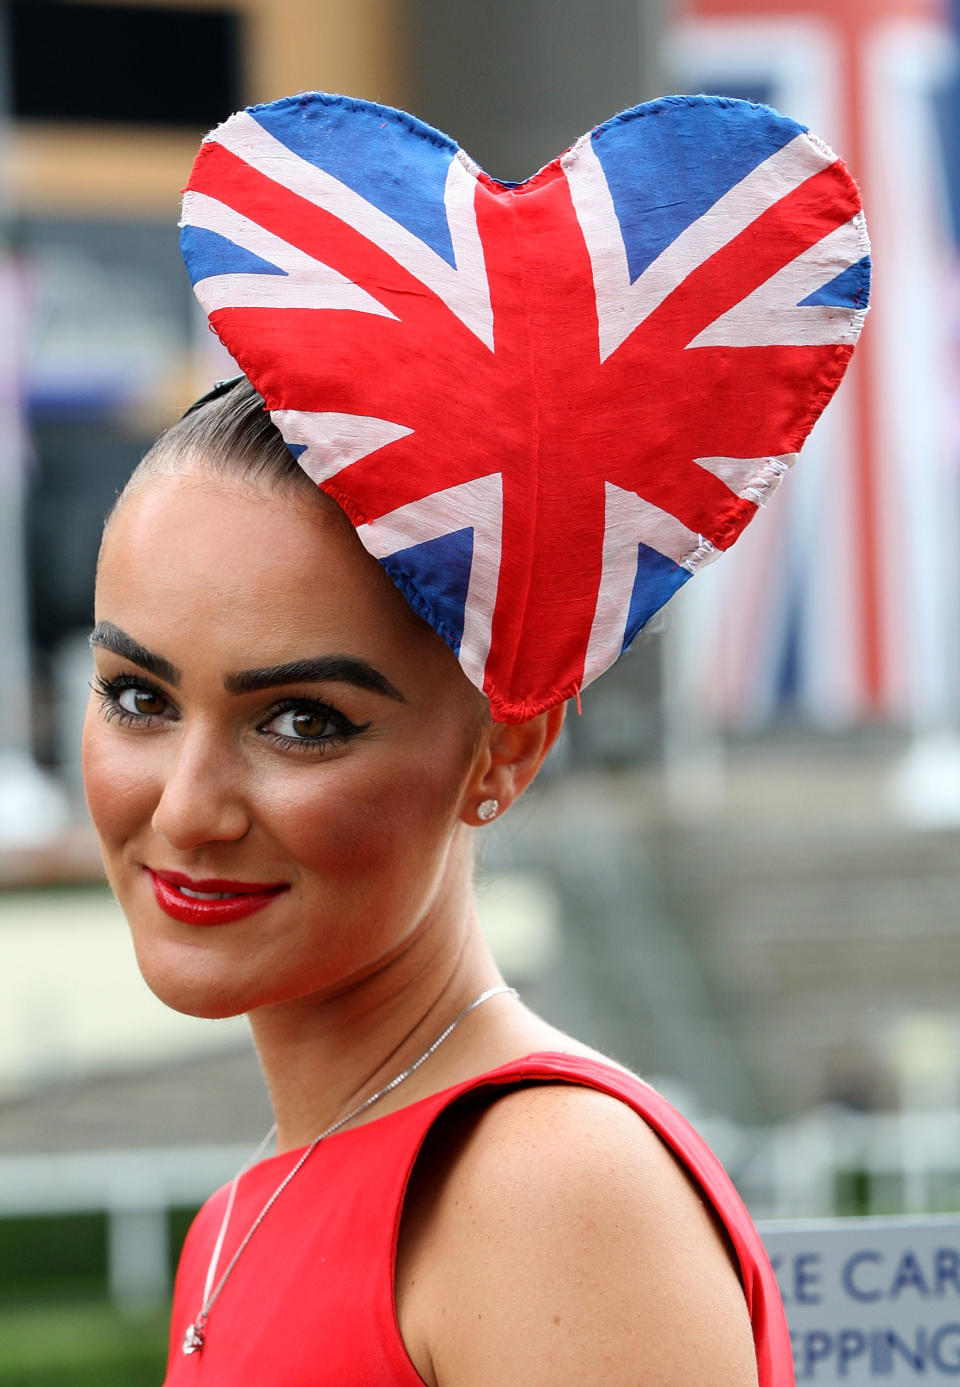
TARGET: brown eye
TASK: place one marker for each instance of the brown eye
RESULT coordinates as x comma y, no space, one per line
307,724
144,703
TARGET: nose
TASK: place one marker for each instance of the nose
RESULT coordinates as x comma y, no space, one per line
202,800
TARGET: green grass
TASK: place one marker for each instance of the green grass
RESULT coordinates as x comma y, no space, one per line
81,1345
59,1258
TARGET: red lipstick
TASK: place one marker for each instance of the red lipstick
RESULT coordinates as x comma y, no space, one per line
216,901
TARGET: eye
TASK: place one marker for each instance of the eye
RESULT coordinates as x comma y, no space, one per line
308,725
133,701
144,703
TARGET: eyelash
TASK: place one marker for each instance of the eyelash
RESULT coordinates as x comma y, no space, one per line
109,690
345,729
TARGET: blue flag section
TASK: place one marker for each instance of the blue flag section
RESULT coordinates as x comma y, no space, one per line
947,105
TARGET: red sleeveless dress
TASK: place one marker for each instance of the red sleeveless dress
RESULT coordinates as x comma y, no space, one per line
310,1302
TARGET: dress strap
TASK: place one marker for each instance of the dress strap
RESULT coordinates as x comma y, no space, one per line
770,1332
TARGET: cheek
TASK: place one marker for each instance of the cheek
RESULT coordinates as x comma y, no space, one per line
120,793
362,818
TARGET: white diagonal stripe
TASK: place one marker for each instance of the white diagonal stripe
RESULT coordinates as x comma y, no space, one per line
471,302
305,282
772,317
333,441
464,289
477,505
755,479
629,521
622,306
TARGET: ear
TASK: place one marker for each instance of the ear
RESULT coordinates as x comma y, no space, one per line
508,760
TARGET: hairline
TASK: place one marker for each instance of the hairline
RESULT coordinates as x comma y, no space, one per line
232,439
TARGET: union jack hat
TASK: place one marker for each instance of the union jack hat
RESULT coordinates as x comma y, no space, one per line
543,405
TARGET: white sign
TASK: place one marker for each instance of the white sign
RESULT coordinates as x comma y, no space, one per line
870,1300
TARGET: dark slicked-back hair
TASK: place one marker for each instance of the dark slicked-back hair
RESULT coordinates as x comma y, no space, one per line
229,434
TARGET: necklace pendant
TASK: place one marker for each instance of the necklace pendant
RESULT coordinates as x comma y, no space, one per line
193,1339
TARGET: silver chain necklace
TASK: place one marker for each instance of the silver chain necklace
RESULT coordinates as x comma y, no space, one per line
195,1337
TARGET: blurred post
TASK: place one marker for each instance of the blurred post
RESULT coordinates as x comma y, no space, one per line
138,1256
924,1055
32,806
14,657
694,751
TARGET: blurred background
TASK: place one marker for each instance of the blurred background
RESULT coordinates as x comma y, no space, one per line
740,874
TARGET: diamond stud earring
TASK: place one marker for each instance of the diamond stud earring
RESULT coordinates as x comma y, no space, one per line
488,809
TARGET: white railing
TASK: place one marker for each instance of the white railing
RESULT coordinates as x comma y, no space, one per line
903,1162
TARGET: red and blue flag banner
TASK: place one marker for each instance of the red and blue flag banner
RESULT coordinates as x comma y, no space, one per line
858,620
544,406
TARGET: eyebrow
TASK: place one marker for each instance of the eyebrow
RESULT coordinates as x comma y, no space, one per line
342,669
110,637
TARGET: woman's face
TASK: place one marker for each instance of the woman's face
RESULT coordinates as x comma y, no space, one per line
277,750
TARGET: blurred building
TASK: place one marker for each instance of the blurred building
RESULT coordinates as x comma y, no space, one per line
107,103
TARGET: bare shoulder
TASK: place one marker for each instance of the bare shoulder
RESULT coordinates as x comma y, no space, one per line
551,1237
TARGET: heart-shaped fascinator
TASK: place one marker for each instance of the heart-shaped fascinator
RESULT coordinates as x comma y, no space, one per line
543,405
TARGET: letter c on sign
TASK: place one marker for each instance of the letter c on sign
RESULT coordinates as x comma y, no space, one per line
849,1268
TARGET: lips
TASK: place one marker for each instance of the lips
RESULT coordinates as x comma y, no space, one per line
212,900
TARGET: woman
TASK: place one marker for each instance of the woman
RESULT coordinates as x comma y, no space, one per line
287,765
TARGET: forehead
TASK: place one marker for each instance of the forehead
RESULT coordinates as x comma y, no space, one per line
194,561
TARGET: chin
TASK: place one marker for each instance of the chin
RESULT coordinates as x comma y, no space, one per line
185,981
191,998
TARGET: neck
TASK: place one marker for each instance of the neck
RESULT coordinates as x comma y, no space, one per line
323,1055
